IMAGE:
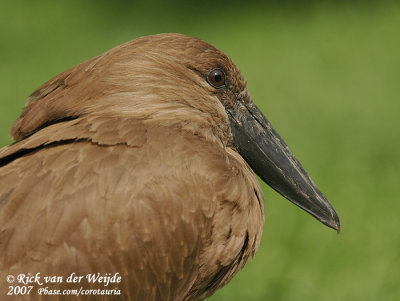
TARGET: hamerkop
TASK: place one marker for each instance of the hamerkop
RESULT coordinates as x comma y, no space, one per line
141,163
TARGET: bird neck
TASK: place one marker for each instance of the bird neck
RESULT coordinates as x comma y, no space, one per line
213,127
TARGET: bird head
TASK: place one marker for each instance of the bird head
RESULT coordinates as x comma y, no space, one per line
175,79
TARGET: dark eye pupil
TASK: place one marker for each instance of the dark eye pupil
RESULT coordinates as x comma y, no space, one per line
217,77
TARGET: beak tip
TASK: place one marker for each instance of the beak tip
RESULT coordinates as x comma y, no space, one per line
334,223
337,228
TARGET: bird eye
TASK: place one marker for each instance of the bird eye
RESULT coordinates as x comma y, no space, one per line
216,78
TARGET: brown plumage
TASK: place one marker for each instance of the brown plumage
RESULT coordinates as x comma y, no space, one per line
127,163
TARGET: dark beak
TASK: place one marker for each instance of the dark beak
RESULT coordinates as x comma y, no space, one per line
270,158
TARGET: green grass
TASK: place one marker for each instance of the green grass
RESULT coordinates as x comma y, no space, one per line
327,77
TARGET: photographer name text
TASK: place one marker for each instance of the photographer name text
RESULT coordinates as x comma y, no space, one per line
37,278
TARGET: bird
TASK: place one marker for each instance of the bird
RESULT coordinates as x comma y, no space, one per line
140,165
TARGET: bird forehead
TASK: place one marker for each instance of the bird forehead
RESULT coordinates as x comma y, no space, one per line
185,51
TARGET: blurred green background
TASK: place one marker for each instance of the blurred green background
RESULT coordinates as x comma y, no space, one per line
327,75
